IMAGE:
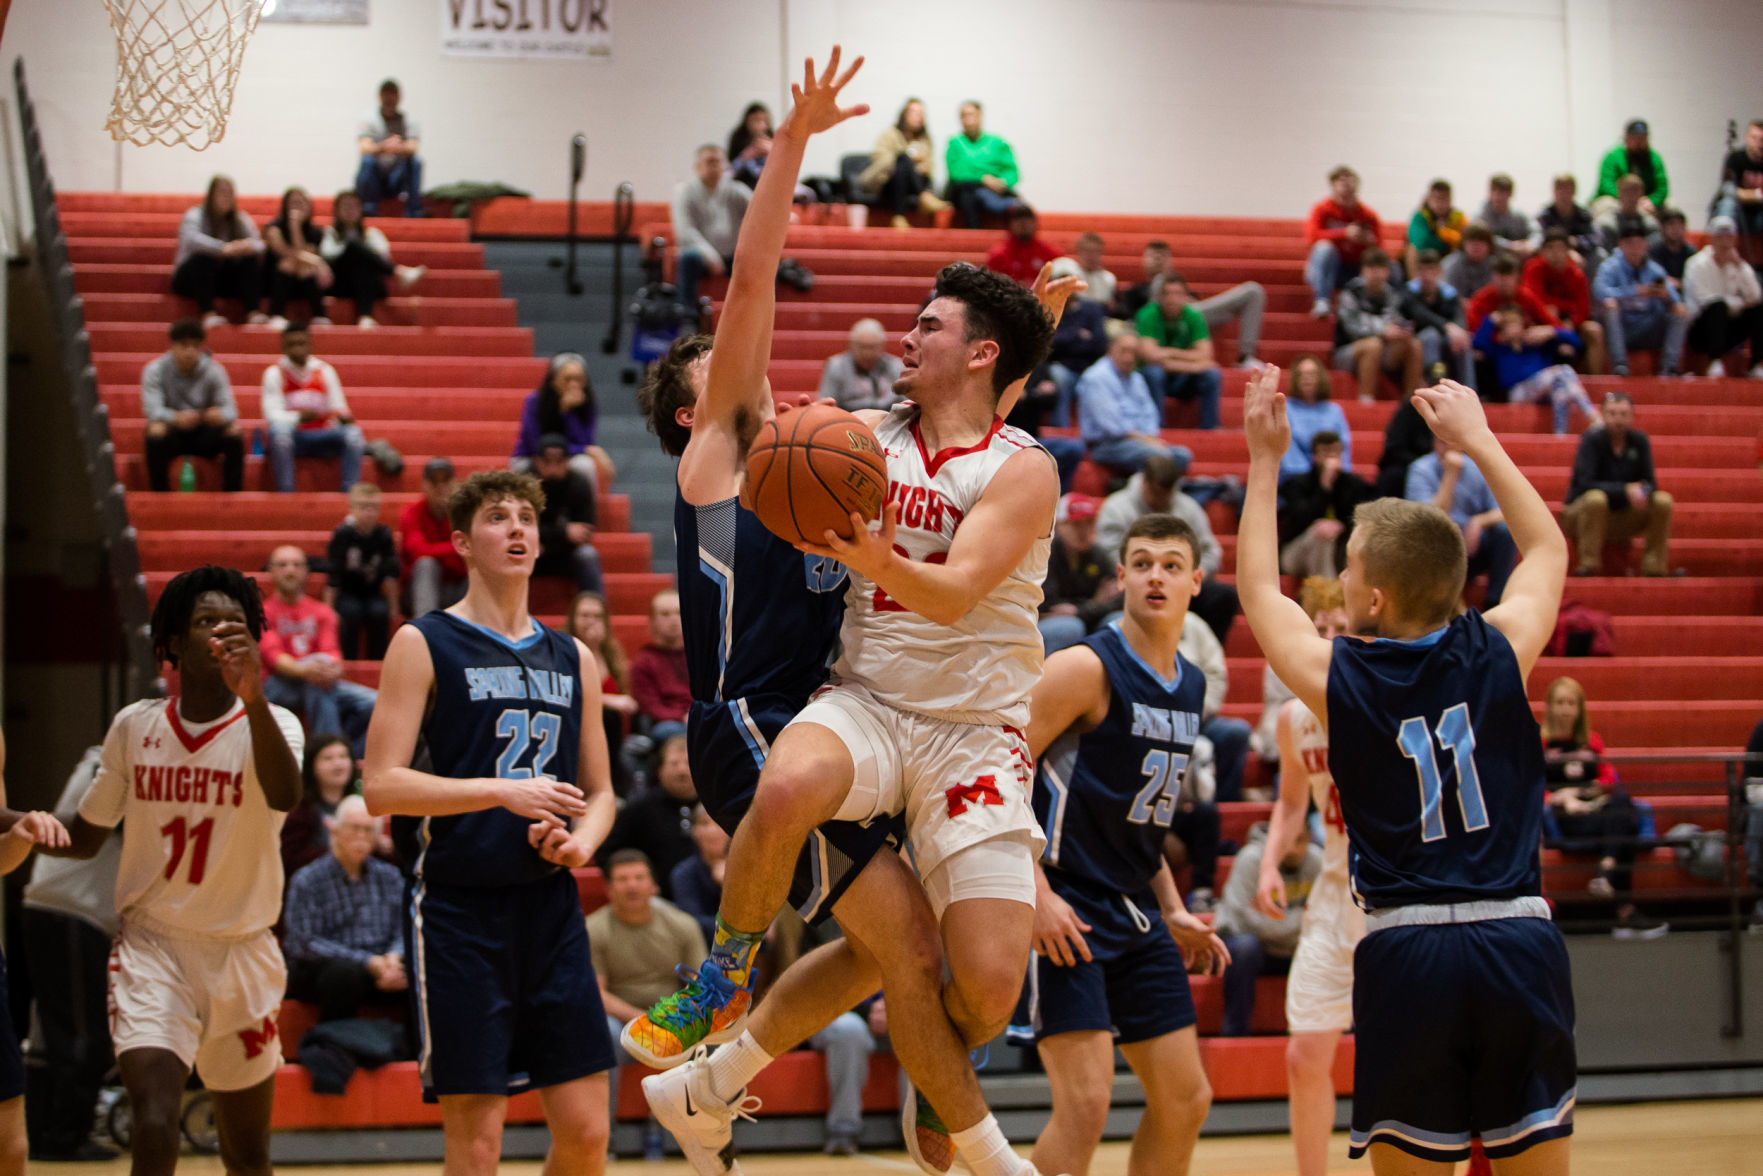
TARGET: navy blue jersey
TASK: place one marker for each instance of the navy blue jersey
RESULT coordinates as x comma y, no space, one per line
508,709
1440,766
777,633
1105,798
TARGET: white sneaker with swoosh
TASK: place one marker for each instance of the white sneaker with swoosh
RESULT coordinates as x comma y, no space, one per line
681,1101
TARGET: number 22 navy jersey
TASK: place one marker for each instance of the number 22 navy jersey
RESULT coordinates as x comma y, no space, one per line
1440,766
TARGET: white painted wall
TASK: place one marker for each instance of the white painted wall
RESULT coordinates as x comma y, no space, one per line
1192,106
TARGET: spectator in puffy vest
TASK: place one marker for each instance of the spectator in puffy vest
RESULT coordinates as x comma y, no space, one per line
306,413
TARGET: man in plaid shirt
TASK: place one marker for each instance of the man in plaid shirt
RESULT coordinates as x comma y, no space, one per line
345,934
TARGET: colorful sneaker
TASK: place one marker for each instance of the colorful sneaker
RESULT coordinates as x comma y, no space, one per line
927,1140
702,1124
709,1010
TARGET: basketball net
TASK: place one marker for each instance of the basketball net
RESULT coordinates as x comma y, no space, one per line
176,64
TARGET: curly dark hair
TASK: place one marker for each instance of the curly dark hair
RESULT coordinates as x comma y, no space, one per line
996,308
668,388
171,615
488,486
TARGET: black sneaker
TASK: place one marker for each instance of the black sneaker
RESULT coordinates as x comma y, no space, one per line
88,1152
1638,926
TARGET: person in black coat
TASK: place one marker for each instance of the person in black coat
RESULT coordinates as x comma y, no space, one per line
1406,438
1316,513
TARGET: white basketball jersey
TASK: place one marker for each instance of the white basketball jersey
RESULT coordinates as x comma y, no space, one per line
201,848
1330,898
980,669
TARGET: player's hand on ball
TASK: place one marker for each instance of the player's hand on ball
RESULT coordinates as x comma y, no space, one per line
557,844
1270,895
1202,950
816,99
241,665
1059,932
542,798
1453,412
42,829
1264,416
866,551
1053,293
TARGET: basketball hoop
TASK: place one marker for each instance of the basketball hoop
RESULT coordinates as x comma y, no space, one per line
176,64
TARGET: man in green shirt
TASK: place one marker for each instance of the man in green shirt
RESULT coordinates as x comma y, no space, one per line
982,170
1175,348
1633,156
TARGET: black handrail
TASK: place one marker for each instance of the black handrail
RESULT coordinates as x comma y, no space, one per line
67,313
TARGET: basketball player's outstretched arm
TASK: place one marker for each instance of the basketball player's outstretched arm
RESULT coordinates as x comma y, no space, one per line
1052,293
241,665
1287,822
736,395
1282,628
391,785
1526,613
573,846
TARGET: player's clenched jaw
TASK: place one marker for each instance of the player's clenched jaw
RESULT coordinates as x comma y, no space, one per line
937,358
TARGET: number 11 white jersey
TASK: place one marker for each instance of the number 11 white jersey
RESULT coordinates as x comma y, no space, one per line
201,848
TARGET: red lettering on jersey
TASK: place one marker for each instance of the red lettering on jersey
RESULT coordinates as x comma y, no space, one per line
1316,761
257,1040
912,513
199,785
156,782
1331,816
180,790
882,602
140,781
982,791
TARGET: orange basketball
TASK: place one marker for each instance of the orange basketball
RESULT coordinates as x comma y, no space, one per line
808,470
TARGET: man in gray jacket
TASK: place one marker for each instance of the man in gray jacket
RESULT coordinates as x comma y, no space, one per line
189,407
1259,945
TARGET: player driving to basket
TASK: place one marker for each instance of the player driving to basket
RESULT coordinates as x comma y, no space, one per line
1462,1001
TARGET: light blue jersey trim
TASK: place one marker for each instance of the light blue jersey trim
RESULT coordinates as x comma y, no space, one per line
1426,641
1168,684
531,639
1556,1116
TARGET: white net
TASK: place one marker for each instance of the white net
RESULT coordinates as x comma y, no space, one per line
176,64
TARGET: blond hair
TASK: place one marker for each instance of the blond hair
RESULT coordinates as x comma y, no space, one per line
1320,594
1582,728
1414,553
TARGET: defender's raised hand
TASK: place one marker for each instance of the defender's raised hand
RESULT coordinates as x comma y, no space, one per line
816,100
1453,412
1264,416
1053,293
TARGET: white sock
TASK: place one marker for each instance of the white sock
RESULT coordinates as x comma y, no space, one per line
987,1152
734,1065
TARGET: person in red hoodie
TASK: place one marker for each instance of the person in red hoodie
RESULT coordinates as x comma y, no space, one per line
1021,255
302,662
658,672
434,571
1339,231
1561,285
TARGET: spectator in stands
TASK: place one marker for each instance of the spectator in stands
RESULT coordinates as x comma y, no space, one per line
1081,340
360,259
293,267
566,525
706,217
1589,809
637,940
306,414
982,170
658,673
1194,831
1436,224
1244,304
1726,305
327,775
188,403
219,255
1634,156
862,376
1630,206
1741,182
1317,515
1156,259
1081,589
1506,292
1100,283
658,819
432,569
1612,496
1117,416
1512,229
1639,307
302,662
1339,231
1175,347
1153,491
900,166
1260,945
1229,736
1555,280
1022,253
1528,367
1670,246
845,1044
345,924
1324,600
1436,309
1370,334
1450,480
363,585
1566,214
389,143
696,882
563,404
749,143
1040,397
1471,267
1406,439
588,624
1310,409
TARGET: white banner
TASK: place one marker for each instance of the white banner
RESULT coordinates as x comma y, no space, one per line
559,29
349,12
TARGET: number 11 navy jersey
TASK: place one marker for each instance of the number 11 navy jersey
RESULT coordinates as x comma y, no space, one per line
1440,766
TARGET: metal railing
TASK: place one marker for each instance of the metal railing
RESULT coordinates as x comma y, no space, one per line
67,311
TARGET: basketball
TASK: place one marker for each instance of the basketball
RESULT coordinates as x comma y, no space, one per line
809,469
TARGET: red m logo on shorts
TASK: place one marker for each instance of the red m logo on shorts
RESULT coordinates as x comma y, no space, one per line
257,1040
982,791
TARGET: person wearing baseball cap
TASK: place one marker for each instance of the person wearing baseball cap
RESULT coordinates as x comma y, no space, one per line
1080,589
434,572
1725,301
1633,156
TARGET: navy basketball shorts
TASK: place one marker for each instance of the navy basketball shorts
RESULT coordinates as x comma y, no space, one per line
726,744
506,998
1137,995
11,1060
1462,1029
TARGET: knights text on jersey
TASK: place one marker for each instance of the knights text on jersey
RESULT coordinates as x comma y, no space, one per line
981,668
1330,896
201,848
